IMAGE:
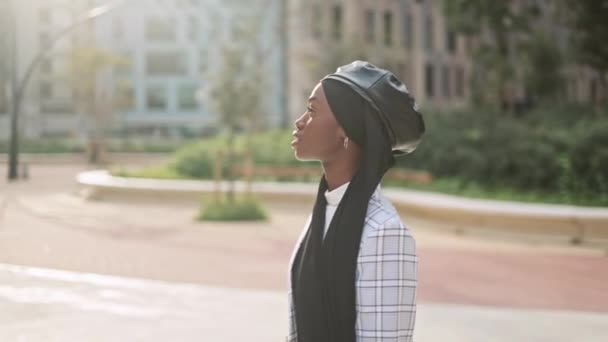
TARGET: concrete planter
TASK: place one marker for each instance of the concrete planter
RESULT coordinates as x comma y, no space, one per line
562,223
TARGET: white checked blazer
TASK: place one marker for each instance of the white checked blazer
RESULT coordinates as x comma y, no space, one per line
386,277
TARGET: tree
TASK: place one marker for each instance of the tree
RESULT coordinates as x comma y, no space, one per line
237,87
590,35
85,65
543,68
334,55
498,27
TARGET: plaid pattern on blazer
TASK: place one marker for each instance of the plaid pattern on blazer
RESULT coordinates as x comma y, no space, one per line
386,277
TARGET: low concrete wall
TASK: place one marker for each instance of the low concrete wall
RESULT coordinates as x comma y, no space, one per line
101,185
560,222
534,221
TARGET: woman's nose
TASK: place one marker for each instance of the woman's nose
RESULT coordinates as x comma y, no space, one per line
300,122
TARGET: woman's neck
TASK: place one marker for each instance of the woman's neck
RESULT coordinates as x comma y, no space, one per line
338,173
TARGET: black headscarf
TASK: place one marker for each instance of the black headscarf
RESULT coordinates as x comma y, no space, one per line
324,270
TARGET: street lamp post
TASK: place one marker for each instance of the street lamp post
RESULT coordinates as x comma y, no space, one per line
18,86
15,102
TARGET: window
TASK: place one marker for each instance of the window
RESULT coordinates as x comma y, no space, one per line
117,29
429,73
468,43
165,63
57,107
451,41
401,71
316,20
192,29
46,66
160,29
186,94
45,39
445,81
45,16
182,3
124,95
407,26
428,33
238,32
388,28
46,90
3,103
459,81
124,67
337,15
370,21
389,66
157,98
202,60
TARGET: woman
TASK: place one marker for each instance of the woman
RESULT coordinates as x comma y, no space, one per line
353,272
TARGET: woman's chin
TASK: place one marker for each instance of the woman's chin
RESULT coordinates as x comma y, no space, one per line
301,156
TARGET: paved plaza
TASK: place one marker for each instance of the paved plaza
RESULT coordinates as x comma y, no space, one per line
51,305
76,270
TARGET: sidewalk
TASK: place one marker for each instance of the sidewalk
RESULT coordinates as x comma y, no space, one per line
471,288
49,305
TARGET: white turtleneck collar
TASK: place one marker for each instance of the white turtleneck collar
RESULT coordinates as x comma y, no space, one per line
335,196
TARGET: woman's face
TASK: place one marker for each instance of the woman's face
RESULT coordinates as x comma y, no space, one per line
318,136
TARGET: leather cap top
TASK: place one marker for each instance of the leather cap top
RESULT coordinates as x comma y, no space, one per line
390,98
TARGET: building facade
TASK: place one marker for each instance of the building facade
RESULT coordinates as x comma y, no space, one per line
171,50
410,38
166,51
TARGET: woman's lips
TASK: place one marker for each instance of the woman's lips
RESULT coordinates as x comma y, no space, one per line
296,139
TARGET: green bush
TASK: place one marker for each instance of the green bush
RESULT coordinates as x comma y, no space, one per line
558,151
517,157
197,160
141,147
237,210
158,172
527,165
555,153
588,163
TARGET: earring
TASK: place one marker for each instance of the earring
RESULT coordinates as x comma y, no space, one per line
346,143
